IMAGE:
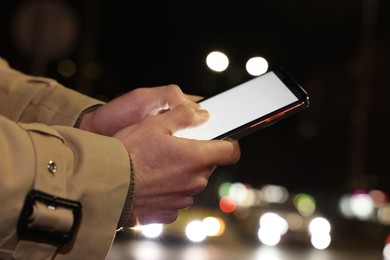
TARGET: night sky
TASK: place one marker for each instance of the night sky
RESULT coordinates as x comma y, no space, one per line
338,50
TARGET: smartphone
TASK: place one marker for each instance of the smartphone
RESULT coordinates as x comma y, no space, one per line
249,106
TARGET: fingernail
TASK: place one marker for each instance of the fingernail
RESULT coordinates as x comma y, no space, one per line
197,106
203,113
230,140
194,105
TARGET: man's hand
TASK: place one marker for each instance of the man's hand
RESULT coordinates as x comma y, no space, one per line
169,170
134,106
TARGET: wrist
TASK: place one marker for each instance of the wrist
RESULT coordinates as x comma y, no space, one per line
85,120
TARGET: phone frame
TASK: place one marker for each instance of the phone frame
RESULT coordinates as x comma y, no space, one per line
275,116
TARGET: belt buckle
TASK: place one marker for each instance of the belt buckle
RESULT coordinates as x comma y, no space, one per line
48,236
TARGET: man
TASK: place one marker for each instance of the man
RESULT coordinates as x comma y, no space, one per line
73,169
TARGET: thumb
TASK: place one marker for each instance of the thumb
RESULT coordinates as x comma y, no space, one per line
181,117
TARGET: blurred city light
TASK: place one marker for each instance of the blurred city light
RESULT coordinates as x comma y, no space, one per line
272,227
319,225
383,214
378,197
319,229
151,230
274,194
66,68
305,204
362,206
195,231
242,195
227,204
386,252
345,206
256,66
320,241
213,226
366,206
269,237
223,189
217,61
238,192
275,222
386,249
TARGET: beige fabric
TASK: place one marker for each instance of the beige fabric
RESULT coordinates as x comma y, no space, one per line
94,169
36,99
32,250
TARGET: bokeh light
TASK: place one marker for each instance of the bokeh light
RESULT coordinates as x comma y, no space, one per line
274,222
238,192
66,68
272,227
345,206
268,237
319,225
362,206
378,197
305,204
383,214
256,66
217,61
227,205
195,231
319,229
274,194
386,249
320,241
223,189
151,230
214,226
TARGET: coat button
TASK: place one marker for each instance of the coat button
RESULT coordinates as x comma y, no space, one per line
52,166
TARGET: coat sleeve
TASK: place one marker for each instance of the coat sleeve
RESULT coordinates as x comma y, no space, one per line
91,169
26,98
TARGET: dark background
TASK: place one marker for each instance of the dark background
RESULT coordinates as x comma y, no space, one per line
338,50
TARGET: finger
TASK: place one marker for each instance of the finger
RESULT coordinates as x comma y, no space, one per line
153,100
195,98
170,201
171,96
218,152
181,117
166,216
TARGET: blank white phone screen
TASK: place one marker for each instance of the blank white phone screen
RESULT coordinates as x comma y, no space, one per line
240,105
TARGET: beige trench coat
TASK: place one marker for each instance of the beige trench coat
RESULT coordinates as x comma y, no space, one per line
41,150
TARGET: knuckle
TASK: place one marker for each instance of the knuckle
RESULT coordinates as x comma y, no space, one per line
138,92
187,112
174,89
150,122
137,96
